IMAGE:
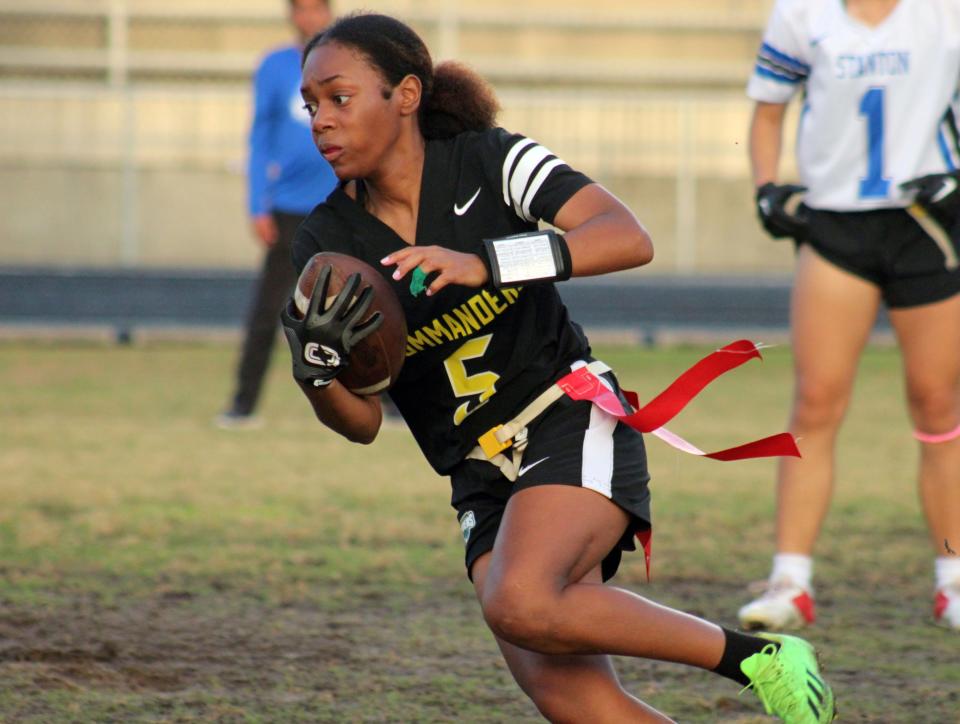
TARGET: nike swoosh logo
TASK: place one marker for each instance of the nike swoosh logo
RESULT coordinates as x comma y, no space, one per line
526,468
948,187
461,210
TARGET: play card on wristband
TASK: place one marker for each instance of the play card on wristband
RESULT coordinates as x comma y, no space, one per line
536,256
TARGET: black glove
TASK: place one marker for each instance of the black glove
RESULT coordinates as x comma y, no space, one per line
775,208
939,195
321,342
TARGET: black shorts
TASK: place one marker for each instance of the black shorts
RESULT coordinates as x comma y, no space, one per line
889,249
572,443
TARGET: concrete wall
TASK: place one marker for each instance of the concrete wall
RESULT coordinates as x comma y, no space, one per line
133,154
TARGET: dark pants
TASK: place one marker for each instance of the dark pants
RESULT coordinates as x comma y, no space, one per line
273,289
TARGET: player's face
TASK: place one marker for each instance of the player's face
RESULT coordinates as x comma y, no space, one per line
309,17
353,125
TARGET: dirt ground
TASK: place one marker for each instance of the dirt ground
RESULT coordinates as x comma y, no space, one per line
360,654
177,656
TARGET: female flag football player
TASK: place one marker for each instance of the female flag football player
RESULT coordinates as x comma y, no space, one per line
878,154
425,179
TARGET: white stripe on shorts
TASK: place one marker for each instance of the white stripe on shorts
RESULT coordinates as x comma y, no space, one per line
597,471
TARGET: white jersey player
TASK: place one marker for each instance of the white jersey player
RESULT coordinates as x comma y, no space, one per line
879,160
889,89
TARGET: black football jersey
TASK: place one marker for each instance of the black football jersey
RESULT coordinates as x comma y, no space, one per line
474,357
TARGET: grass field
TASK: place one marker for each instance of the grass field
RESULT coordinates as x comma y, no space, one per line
155,569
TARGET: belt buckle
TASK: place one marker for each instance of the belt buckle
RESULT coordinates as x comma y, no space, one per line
490,445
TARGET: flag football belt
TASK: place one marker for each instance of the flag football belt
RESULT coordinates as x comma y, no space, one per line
492,443
584,384
936,232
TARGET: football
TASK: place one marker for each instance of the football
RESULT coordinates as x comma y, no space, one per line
375,362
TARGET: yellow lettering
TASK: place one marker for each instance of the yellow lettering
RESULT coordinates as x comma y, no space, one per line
478,311
494,302
418,340
436,331
468,320
454,326
481,309
510,293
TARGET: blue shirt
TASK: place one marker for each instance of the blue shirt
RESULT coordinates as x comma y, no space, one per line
286,171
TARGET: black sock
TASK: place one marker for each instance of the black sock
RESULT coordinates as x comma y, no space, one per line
739,647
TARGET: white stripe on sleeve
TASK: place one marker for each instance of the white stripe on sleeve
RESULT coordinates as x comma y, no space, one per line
535,186
523,173
508,162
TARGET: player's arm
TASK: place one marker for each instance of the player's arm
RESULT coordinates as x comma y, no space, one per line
766,141
261,140
356,417
321,340
778,205
602,235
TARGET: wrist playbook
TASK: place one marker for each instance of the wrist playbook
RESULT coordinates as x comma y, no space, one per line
535,256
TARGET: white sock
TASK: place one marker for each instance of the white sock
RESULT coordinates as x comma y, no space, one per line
947,571
794,567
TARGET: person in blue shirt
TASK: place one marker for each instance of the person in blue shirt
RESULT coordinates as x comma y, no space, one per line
287,177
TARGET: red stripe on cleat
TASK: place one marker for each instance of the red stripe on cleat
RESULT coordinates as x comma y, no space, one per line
940,603
804,604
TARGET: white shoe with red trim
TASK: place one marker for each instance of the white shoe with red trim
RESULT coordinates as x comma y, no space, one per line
946,606
783,605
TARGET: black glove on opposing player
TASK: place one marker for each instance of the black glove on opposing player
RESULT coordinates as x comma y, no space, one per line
322,340
939,195
774,209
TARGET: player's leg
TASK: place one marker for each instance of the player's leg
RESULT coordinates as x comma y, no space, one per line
930,344
536,595
274,285
550,537
562,687
832,313
575,688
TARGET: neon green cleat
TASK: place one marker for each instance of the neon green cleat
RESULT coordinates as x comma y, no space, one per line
788,682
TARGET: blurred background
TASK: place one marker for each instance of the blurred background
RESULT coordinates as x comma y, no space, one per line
123,127
156,569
